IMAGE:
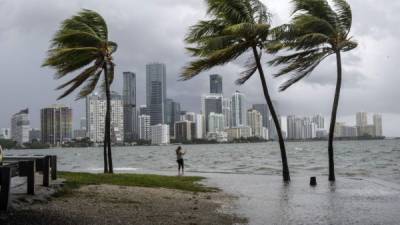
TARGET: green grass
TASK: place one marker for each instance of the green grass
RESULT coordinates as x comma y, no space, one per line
185,183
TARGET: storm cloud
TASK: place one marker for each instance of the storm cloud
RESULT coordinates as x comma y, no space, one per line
153,31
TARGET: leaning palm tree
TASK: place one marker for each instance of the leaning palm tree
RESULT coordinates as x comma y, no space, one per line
81,45
234,28
317,30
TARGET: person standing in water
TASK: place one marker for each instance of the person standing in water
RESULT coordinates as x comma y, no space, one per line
179,158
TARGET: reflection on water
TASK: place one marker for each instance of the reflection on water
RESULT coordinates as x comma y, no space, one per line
353,158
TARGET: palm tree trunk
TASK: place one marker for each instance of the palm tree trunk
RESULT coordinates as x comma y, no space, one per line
285,167
107,132
333,117
105,143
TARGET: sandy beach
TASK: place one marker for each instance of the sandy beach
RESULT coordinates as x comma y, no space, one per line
111,204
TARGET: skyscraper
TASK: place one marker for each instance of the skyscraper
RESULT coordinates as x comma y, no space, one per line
361,119
255,120
172,114
200,129
216,122
56,124
160,134
263,109
238,110
226,110
95,115
211,103
156,91
377,120
144,110
129,98
185,130
215,84
144,127
20,127
319,121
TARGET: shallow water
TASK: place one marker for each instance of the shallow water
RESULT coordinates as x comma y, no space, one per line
376,159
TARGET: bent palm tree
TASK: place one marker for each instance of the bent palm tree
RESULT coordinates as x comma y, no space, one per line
316,31
235,27
81,44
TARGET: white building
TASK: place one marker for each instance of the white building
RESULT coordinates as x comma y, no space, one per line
160,134
238,110
301,128
255,121
216,122
5,133
361,119
211,103
144,127
319,120
226,110
200,129
20,127
265,133
95,115
238,132
377,121
219,137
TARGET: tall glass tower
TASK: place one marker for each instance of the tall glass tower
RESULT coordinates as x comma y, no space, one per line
129,101
215,84
156,91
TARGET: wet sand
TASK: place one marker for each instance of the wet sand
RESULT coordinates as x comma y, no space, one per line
109,204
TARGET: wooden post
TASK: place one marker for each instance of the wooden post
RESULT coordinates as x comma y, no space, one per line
54,167
313,181
46,171
5,182
28,169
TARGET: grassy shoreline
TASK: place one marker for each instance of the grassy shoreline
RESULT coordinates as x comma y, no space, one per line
184,183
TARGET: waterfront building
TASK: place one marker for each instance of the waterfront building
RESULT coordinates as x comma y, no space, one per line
83,123
129,104
377,122
255,120
263,109
35,135
238,110
200,129
156,92
20,127
160,134
144,127
226,110
361,119
172,114
216,122
265,133
319,121
96,107
79,134
366,131
211,103
219,137
56,125
5,133
185,131
300,128
215,84
344,131
238,132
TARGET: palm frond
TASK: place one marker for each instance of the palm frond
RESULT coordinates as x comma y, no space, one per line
251,69
344,15
90,85
234,11
316,8
204,29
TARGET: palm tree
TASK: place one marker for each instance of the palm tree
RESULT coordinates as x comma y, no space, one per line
235,27
81,45
317,30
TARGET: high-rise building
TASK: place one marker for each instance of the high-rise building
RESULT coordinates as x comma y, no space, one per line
226,110
172,114
144,127
95,114
255,120
5,133
143,110
300,128
129,101
20,127
211,103
83,123
343,131
160,134
56,124
35,135
238,132
215,84
156,91
263,109
216,123
238,110
200,129
377,120
319,120
185,131
361,119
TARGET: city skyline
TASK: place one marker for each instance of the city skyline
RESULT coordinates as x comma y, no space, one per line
366,86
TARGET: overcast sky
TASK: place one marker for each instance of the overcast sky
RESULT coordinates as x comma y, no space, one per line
153,31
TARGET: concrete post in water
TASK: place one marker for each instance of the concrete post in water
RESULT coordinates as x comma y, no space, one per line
313,181
5,180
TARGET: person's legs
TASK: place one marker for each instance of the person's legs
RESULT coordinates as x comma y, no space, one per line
179,166
183,167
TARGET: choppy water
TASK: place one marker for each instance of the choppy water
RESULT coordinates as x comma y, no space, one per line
377,159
